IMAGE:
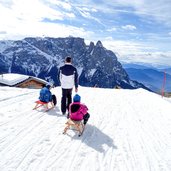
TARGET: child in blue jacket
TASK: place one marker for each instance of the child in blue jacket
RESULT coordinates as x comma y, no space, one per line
45,94
46,97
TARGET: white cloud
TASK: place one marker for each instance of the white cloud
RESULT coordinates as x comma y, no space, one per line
160,10
70,15
112,29
30,11
129,27
44,29
26,13
94,10
3,32
86,13
144,9
62,4
128,51
35,10
25,19
122,47
153,58
29,18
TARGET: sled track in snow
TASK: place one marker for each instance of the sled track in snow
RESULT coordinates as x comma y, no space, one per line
22,132
32,150
23,114
14,99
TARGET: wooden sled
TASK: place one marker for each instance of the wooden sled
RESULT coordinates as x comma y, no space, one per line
43,104
78,125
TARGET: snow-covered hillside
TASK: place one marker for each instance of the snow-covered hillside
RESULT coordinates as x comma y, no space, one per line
129,130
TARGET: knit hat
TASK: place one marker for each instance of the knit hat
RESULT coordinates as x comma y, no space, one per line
77,98
48,85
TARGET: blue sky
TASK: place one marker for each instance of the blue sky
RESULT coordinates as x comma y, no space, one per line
138,31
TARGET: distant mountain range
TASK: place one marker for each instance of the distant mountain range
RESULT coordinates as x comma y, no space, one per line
167,70
152,78
42,57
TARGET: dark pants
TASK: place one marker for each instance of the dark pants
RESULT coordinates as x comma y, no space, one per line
66,99
86,117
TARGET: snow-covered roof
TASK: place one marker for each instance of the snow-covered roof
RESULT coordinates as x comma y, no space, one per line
11,79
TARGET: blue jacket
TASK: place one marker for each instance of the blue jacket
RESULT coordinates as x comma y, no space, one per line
68,76
45,95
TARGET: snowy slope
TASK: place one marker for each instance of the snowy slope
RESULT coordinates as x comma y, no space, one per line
129,130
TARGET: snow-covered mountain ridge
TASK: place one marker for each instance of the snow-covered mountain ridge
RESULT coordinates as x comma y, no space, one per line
42,57
129,130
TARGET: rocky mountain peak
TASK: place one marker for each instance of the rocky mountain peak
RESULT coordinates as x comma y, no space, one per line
42,57
99,44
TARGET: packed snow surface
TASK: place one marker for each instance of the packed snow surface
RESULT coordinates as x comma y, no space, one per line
129,130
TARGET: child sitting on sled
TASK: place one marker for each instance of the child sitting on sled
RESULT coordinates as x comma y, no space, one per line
45,98
78,111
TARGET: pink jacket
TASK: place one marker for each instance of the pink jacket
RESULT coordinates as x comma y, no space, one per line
77,111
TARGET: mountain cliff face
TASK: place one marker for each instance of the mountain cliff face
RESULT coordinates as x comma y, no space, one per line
42,57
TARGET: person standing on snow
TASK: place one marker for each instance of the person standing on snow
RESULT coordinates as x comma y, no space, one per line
68,77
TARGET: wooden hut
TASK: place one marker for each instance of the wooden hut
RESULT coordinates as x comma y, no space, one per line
22,81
